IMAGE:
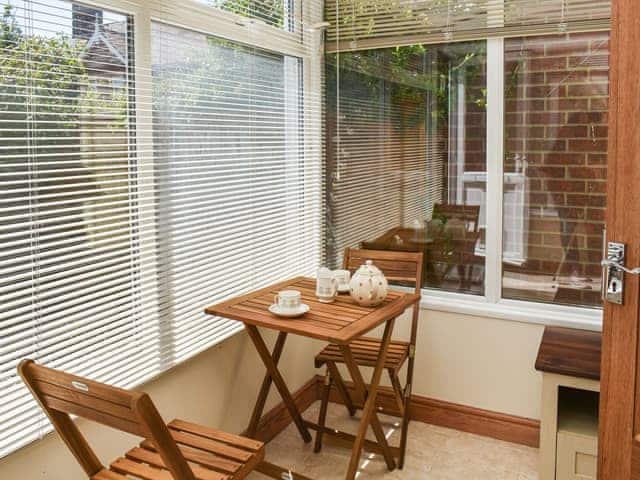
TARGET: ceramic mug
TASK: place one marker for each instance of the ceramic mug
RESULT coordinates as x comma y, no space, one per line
342,277
288,300
326,286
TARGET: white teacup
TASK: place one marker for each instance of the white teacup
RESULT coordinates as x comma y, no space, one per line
342,277
288,300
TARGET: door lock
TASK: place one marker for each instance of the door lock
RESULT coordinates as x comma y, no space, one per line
614,270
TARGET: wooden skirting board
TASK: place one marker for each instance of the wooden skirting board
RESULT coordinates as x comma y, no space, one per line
510,428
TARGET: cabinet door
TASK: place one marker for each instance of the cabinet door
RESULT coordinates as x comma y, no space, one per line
577,457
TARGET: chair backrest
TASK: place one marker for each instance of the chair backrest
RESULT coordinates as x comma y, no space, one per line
462,224
468,214
61,394
400,267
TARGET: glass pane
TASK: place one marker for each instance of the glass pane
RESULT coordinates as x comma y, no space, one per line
406,166
556,90
70,283
229,168
277,13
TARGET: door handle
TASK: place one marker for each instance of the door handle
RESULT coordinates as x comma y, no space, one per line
614,270
619,266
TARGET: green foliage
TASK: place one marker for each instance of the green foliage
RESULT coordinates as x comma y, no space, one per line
361,15
49,104
414,76
40,75
271,12
206,83
44,79
10,32
46,69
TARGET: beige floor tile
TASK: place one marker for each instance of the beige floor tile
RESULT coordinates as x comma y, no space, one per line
433,453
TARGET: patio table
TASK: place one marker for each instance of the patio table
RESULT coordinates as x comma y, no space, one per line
339,323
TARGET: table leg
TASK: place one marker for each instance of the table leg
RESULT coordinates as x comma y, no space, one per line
278,381
264,389
369,415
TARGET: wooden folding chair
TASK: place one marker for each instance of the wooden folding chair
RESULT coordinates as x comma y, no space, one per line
179,450
398,267
456,249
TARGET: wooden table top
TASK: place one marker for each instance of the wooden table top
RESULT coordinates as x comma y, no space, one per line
339,322
569,351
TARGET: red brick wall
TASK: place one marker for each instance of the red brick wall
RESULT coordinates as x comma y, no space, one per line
475,159
556,130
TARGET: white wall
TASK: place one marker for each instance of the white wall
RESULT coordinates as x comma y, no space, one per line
482,362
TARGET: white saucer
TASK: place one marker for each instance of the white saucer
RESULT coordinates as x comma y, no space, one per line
276,310
344,289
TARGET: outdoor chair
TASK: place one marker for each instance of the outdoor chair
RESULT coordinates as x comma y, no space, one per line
399,268
178,450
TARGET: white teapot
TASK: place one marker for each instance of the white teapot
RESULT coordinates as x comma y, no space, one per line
368,287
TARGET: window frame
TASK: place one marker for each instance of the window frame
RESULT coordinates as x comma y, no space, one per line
310,50
492,304
304,45
189,14
195,16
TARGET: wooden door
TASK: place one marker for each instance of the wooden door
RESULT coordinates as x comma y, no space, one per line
619,445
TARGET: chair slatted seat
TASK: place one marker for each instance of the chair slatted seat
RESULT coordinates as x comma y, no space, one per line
179,450
366,351
213,455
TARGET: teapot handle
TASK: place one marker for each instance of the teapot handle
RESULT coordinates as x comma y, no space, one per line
373,291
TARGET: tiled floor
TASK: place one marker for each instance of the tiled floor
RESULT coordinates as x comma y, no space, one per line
434,453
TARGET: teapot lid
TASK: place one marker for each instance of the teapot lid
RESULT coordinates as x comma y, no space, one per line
369,269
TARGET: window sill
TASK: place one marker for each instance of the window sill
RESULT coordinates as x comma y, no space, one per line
513,310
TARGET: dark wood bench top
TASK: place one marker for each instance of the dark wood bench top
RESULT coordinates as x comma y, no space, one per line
568,351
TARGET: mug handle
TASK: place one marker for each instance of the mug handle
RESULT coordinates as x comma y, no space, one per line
276,299
334,282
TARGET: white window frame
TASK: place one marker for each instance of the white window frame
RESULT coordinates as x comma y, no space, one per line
307,45
492,304
304,45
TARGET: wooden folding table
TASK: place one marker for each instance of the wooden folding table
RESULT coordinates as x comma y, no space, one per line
340,323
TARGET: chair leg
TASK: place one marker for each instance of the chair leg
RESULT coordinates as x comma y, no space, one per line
342,388
397,390
406,418
272,470
322,416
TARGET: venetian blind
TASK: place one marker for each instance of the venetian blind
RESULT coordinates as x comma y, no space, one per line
129,203
278,13
238,198
385,155
362,24
70,279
